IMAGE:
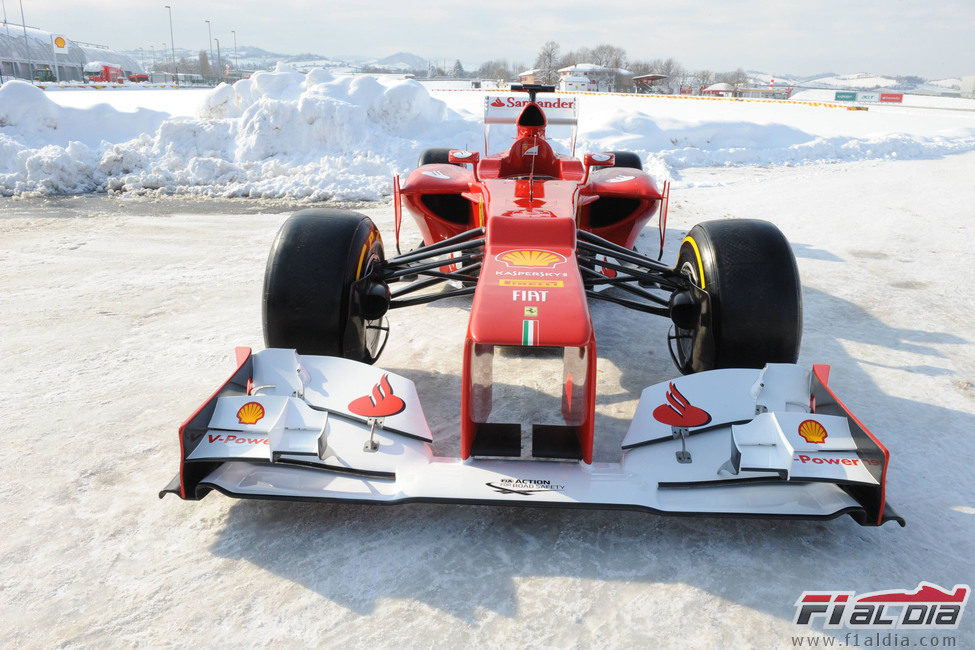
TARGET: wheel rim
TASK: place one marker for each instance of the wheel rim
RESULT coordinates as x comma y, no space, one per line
684,339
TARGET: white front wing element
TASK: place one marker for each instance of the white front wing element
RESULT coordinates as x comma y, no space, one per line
734,442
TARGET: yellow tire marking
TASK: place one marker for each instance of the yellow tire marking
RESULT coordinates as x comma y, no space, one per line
697,254
362,253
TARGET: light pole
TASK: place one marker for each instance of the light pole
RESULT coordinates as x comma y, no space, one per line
236,62
30,61
172,43
218,57
210,34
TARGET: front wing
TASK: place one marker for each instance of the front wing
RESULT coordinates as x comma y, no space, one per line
751,443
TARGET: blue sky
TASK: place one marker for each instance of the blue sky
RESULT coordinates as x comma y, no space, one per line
890,37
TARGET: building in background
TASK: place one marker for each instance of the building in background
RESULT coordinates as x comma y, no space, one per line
598,78
650,83
570,84
20,58
719,90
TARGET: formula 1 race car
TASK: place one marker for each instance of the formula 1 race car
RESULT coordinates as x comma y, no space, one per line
534,235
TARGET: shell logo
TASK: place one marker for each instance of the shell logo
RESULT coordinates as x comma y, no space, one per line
812,431
60,43
250,413
531,257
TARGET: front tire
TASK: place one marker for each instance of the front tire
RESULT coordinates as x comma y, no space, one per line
627,159
434,156
753,311
319,291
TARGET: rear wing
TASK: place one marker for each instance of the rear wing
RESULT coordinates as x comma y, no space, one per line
504,109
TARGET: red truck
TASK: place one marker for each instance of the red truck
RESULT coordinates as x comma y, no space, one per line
104,73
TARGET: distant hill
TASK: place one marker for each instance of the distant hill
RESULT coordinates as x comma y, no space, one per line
255,58
401,61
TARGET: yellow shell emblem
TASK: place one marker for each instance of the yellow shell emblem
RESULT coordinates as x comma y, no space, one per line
531,257
812,431
250,413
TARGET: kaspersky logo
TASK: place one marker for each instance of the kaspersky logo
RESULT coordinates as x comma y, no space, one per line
925,608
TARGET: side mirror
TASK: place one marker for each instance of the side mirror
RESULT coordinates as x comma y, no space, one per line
597,160
600,159
463,156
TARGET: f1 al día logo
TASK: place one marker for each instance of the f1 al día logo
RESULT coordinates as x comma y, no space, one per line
928,607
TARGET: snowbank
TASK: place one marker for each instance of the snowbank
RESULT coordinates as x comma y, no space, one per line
317,136
277,134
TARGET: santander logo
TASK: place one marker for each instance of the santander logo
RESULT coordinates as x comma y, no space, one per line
381,403
520,102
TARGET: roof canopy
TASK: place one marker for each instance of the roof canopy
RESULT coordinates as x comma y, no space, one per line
14,48
592,67
649,77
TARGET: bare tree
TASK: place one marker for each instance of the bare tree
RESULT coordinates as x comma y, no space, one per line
498,69
740,78
547,63
703,77
205,69
608,56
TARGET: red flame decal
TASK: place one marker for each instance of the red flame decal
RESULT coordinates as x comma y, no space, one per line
925,593
497,103
679,412
382,403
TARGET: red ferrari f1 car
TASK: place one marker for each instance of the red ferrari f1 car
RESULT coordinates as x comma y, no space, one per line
533,236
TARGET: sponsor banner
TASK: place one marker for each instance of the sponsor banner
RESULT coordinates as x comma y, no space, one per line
892,98
845,96
505,109
868,97
60,44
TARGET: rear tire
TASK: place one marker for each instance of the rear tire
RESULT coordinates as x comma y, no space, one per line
754,309
318,270
627,159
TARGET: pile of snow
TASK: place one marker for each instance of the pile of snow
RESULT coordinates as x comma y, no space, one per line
277,134
319,136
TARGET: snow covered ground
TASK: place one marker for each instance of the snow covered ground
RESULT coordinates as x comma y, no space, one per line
320,136
120,315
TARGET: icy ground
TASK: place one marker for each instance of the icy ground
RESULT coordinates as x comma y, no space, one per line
119,316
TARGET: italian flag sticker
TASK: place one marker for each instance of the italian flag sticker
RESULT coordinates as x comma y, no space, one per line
529,332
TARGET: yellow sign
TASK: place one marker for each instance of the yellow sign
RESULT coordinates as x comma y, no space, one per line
60,44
